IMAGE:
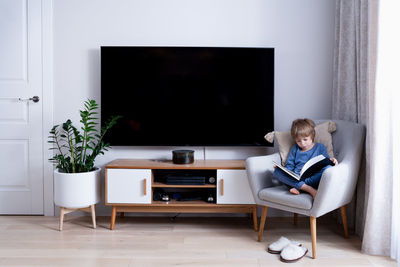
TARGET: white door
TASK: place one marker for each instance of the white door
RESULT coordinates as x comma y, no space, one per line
128,186
233,187
21,156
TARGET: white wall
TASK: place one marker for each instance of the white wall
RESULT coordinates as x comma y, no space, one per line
301,31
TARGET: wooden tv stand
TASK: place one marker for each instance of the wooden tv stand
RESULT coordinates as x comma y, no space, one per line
133,184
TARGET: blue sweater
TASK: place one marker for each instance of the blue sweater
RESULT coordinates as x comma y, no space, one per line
297,159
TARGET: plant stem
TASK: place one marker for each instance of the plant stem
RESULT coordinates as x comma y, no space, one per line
83,155
71,149
59,149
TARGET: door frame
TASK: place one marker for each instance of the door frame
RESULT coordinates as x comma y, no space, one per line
48,100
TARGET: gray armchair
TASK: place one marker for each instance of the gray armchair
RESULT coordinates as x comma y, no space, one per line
335,190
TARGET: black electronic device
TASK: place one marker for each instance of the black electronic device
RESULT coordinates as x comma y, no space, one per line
185,180
157,195
193,198
183,156
179,96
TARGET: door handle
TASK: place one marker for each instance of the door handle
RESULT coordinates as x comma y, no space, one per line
145,186
222,187
35,99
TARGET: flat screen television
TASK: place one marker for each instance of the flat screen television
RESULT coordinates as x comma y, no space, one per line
188,96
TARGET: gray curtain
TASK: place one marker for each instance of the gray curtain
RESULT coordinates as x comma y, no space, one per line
351,61
350,84
353,99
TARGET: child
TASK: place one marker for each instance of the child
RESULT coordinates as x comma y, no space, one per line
303,133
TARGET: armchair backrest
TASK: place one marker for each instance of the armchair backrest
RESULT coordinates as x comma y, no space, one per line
348,142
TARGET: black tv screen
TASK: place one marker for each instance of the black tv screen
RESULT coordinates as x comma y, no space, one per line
196,96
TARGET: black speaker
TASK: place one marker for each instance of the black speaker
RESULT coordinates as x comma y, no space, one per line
182,156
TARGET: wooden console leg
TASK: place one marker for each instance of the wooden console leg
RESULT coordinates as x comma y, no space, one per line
60,224
122,214
262,223
255,223
295,218
93,211
113,215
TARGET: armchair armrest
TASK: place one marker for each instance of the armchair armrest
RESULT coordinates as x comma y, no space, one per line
336,188
260,172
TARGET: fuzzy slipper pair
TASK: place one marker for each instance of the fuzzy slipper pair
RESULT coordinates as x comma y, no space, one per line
291,251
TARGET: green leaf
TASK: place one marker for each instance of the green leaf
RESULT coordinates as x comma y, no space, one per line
82,147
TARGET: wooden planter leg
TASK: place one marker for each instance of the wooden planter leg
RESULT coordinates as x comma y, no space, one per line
93,211
60,224
63,211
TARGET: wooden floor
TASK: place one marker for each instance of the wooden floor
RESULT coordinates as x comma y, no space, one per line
159,241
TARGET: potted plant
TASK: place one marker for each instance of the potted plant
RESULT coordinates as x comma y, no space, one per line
76,179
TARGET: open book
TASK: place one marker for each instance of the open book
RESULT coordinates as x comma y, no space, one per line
311,167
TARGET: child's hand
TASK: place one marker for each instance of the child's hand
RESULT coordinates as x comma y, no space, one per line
334,161
274,166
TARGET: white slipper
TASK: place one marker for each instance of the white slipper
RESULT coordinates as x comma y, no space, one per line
281,243
293,253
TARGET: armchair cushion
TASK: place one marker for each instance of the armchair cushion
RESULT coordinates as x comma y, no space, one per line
285,141
282,196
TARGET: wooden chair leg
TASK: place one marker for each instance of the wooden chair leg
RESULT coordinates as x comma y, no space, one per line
262,222
60,224
313,228
255,223
344,221
93,211
295,218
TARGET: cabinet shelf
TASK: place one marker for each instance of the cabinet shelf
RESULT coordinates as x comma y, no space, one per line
174,202
162,185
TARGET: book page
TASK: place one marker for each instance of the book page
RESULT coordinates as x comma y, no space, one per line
291,173
311,162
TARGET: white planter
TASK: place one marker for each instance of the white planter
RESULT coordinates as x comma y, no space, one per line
77,190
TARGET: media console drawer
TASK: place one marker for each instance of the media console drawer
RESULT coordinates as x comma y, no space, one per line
205,186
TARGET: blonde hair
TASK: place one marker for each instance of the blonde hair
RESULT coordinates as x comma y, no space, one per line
303,128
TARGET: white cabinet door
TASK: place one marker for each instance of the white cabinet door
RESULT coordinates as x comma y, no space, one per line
233,187
128,186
